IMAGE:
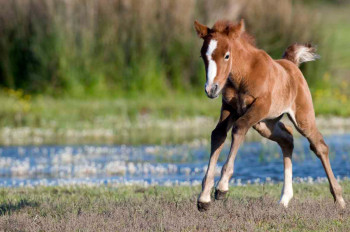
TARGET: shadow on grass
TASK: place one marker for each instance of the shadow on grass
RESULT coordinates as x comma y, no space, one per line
9,207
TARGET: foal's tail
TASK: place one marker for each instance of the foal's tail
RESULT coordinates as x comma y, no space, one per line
300,53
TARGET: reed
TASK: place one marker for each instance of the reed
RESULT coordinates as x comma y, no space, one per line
127,47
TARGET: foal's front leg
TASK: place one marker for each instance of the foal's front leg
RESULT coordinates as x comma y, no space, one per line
227,169
257,112
218,138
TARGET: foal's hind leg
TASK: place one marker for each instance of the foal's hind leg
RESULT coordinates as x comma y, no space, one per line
306,125
278,132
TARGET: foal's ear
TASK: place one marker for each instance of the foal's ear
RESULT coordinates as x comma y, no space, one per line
236,30
241,26
201,29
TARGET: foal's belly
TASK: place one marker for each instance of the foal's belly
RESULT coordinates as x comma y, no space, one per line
275,112
278,110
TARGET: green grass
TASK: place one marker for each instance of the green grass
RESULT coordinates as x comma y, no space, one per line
135,120
252,207
172,118
43,111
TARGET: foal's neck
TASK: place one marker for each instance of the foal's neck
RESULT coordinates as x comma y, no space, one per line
242,59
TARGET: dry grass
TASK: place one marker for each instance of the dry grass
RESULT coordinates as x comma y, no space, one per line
251,208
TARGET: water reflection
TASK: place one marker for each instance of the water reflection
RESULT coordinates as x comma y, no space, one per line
165,165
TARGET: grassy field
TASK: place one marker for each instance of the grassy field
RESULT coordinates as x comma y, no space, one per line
137,120
173,118
20,110
247,208
144,119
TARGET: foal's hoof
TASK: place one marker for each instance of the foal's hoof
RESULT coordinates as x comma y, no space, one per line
341,203
203,206
220,195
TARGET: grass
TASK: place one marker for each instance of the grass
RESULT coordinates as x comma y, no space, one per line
133,208
44,111
172,118
20,110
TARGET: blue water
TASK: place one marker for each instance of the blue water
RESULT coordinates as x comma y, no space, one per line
163,165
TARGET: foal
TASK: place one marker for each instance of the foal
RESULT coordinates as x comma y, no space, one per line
256,92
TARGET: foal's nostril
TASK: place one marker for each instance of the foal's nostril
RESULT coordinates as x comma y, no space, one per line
214,88
211,90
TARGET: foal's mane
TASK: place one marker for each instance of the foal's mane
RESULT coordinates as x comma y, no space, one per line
222,26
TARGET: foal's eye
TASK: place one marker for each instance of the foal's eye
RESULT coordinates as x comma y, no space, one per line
227,56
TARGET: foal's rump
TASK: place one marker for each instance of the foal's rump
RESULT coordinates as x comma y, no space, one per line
300,107
297,54
290,92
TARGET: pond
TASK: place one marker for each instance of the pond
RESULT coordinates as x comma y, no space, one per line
257,162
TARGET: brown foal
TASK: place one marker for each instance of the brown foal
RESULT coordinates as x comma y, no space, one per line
256,92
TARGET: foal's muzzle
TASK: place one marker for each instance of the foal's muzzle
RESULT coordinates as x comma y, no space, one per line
212,90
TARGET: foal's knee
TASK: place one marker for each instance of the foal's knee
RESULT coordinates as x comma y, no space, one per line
219,134
286,141
240,128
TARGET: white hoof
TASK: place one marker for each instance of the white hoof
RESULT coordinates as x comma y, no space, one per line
285,201
341,202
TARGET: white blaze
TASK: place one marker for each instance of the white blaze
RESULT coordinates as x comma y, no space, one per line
212,69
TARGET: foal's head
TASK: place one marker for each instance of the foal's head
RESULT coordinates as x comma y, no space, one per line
217,52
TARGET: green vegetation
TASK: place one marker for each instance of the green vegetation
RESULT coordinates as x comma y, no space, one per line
22,110
27,119
122,48
19,109
169,119
105,64
252,207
